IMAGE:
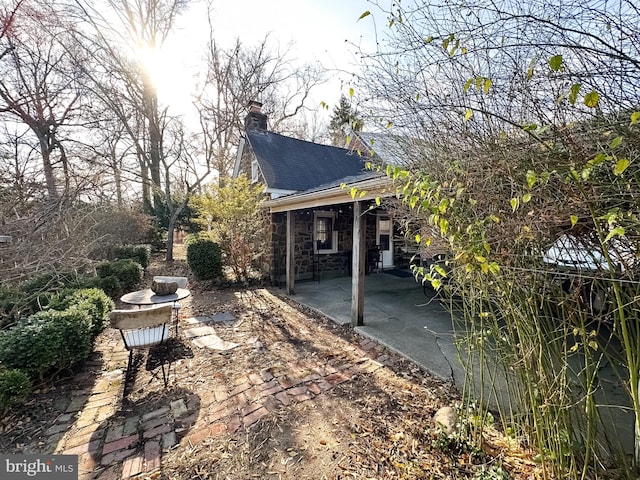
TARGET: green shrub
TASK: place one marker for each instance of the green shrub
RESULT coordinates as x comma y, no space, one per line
109,285
11,303
48,341
139,253
37,292
91,300
15,387
205,259
50,282
240,224
128,272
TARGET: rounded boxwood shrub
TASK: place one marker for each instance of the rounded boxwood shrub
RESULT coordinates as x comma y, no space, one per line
128,272
15,387
91,300
48,341
109,285
37,292
139,253
205,259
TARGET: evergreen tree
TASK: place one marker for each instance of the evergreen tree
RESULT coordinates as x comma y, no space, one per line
344,121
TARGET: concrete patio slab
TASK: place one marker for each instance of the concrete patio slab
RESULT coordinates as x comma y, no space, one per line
397,314
199,331
214,342
417,326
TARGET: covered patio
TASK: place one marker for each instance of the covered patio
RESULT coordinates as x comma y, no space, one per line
360,193
417,326
399,315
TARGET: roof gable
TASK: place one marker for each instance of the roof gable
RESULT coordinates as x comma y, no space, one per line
291,164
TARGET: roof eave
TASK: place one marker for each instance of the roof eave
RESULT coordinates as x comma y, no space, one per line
369,189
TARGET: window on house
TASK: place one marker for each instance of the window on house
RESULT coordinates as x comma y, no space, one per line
254,171
325,236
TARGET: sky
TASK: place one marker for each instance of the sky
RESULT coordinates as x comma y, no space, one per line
316,28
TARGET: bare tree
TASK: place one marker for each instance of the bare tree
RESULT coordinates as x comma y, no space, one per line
8,13
40,85
504,65
243,73
183,168
122,81
147,23
20,174
166,156
524,119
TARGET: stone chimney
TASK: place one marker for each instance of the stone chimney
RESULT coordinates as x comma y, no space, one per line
255,119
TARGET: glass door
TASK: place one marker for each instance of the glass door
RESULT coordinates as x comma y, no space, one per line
384,239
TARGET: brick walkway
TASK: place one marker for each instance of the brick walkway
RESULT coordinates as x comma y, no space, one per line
111,446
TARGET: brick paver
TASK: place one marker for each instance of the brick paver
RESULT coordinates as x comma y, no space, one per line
266,375
273,387
131,446
234,423
117,457
284,398
155,414
169,440
160,430
152,455
120,444
217,428
114,433
155,422
132,466
254,416
196,436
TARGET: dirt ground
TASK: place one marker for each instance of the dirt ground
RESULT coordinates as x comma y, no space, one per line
375,424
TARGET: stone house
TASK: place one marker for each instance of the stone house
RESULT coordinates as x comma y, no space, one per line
325,220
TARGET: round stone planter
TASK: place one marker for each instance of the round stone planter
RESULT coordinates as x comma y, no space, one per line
164,288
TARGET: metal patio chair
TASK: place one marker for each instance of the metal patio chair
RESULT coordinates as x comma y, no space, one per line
142,329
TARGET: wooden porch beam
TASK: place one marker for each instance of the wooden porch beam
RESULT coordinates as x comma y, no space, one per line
358,265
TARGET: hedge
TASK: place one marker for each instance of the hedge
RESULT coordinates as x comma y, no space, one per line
205,259
93,301
47,342
139,253
127,272
15,387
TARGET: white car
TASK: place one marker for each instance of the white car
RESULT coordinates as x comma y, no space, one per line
581,265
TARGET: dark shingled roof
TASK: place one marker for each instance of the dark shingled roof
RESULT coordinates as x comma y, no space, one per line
291,164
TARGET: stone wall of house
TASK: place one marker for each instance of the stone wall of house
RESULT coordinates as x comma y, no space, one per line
338,264
278,265
265,261
308,265
245,160
303,251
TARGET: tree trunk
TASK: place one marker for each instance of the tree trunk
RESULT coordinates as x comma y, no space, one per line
117,176
155,139
146,185
47,167
170,230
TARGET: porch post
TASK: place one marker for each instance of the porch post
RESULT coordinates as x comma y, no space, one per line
291,270
358,266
